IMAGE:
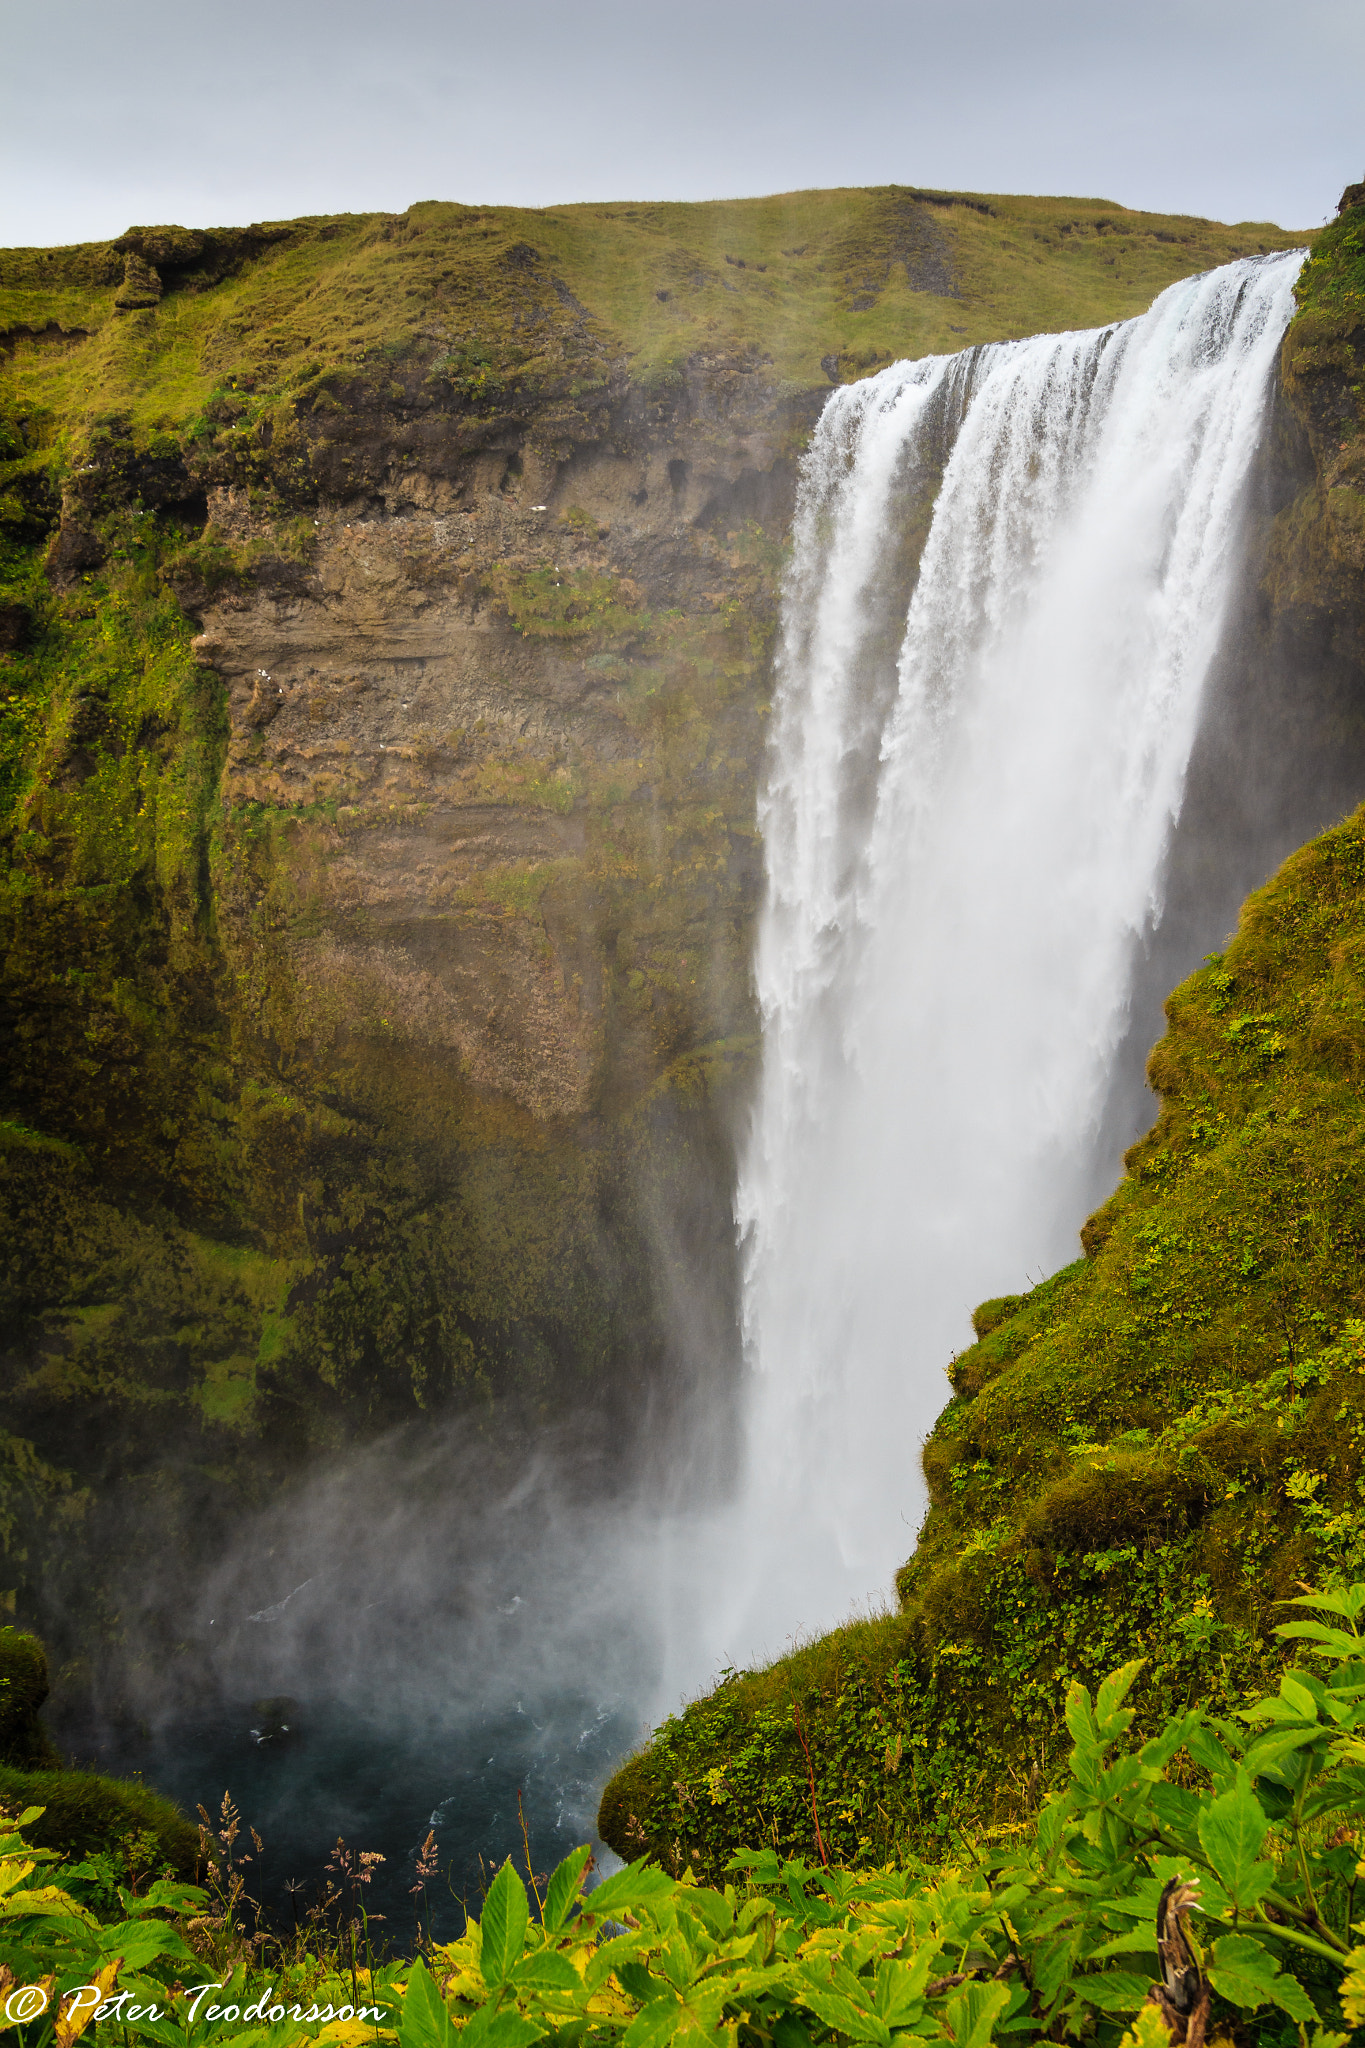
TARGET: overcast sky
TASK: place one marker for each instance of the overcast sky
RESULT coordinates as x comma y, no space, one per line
121,111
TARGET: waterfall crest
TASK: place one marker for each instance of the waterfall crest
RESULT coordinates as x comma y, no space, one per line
974,774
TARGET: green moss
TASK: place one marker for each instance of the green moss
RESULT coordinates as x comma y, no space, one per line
84,1814
1332,282
580,604
476,306
24,1742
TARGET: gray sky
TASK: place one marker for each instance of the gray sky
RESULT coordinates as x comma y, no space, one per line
119,111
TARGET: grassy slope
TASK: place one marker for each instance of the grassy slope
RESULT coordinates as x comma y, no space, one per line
1157,1443
335,293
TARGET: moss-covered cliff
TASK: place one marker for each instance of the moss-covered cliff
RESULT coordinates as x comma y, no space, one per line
385,606
1159,1442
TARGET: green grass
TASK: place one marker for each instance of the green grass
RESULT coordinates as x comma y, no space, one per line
469,294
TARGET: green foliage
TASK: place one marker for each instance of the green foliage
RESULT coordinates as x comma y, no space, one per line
579,604
1333,279
1248,1823
151,1953
487,307
1233,1841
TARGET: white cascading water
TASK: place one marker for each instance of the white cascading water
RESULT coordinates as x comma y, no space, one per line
964,849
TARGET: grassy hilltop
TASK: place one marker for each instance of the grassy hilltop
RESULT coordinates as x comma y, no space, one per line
865,276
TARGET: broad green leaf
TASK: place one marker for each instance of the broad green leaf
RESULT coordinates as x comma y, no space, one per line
1299,1697
138,1941
1329,1795
1110,1697
1352,1993
788,2032
563,1889
545,1971
635,1980
1348,1601
1206,1749
972,2014
1247,1975
639,1884
1056,1817
1177,1734
1342,1646
610,1955
1080,1719
1232,1829
1266,1751
425,2022
1141,1942
1149,2030
749,1984
900,1984
502,1925
491,2029
1051,1969
167,1895
167,2031
676,2019
843,2015
712,1908
659,2021
1112,1990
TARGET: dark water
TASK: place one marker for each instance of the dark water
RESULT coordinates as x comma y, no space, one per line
446,1624
382,1783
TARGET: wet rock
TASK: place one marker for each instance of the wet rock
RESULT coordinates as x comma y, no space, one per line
74,551
141,285
274,1720
15,625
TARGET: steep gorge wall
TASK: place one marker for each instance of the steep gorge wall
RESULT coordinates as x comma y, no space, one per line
408,1075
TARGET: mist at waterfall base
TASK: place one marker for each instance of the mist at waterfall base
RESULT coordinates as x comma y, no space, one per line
1007,648
441,1631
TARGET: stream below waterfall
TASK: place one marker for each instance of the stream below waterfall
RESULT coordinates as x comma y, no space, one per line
1012,573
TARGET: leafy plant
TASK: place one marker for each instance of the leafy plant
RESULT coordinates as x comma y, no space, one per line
1082,1929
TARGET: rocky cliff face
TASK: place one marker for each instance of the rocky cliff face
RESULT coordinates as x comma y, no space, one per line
465,661
418,1056
386,609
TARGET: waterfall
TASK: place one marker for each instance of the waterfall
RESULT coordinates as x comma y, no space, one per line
965,844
